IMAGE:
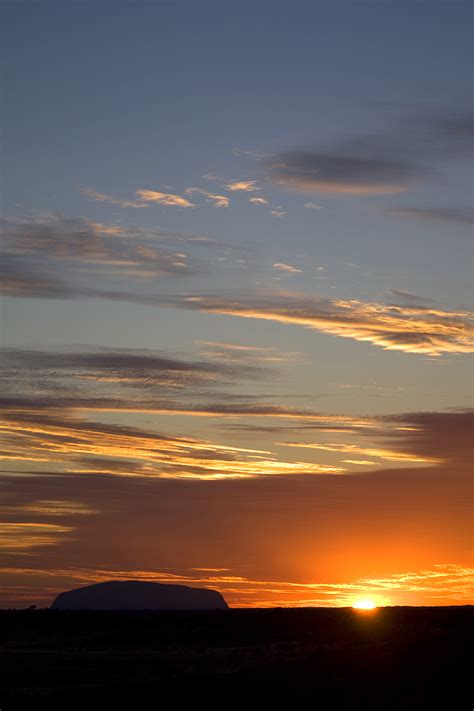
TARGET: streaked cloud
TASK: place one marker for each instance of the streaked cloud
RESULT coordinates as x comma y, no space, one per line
282,267
16,537
321,520
102,197
445,215
278,212
118,372
324,173
54,256
258,201
407,328
216,200
364,462
57,507
443,582
407,154
52,423
408,297
167,199
383,454
252,154
85,447
234,352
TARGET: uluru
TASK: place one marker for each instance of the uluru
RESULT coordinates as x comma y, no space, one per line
138,595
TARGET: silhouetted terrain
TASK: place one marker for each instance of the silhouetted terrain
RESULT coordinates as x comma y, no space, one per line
138,595
395,658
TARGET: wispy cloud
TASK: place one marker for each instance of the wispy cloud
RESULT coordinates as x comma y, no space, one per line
282,267
55,256
445,215
50,422
382,454
407,154
84,447
408,297
246,186
216,200
278,212
408,328
102,197
258,201
16,537
325,173
145,199
447,583
235,352
251,154
56,507
167,199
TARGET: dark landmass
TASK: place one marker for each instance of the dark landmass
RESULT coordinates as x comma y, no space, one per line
324,659
138,595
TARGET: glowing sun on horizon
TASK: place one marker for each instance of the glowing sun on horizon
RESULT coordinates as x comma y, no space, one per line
364,605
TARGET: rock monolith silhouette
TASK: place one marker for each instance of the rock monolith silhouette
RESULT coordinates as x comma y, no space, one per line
138,595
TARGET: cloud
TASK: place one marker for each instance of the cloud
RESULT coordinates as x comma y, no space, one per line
16,537
101,197
147,197
75,446
117,373
258,201
43,246
313,206
323,173
407,154
57,257
280,266
408,297
278,212
54,256
246,186
167,199
437,584
217,200
234,352
382,454
293,539
52,422
445,215
56,507
407,328
253,154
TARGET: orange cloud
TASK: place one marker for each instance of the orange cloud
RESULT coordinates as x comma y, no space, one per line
15,537
411,329
385,454
101,197
441,584
217,200
167,199
280,266
246,186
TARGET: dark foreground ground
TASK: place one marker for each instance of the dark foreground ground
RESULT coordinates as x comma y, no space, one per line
396,658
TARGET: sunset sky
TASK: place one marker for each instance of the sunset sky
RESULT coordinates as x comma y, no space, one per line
236,287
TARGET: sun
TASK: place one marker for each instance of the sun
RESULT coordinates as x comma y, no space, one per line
364,605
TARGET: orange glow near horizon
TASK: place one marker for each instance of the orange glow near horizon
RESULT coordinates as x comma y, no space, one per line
364,605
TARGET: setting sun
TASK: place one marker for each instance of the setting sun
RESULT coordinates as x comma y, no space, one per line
364,605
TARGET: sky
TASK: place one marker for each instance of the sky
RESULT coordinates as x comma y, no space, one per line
236,316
